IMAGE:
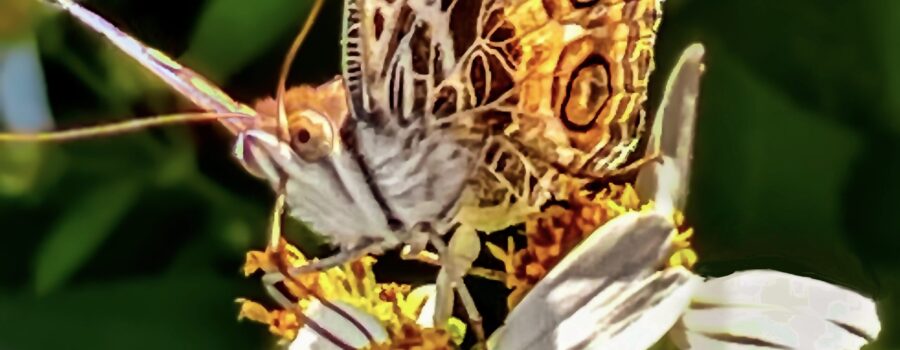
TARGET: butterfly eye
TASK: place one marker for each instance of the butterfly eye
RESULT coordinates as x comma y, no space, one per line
312,134
302,136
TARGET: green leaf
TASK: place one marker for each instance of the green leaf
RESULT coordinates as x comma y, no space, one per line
823,55
770,176
179,164
232,33
886,15
172,312
20,167
80,231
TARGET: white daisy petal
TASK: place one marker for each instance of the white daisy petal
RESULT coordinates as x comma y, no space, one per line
672,136
636,319
799,294
772,328
775,328
778,310
601,289
338,326
426,295
692,340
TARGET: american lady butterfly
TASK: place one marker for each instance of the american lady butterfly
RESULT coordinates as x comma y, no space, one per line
448,113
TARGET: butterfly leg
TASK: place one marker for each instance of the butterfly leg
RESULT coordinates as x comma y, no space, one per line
455,261
271,279
275,224
407,253
345,255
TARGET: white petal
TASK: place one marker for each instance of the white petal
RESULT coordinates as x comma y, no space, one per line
775,327
637,319
661,182
779,309
425,294
799,294
672,135
600,289
692,340
338,326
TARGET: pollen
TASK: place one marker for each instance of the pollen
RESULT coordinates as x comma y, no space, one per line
281,323
555,231
684,255
395,306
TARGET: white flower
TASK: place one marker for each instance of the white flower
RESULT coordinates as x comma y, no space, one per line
607,293
326,327
614,290
776,309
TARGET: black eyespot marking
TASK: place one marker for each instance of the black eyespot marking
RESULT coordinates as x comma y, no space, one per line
586,94
302,136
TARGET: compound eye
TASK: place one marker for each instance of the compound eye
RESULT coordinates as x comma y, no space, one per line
302,136
312,134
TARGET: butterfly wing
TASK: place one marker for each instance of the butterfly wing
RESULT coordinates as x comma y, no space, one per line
566,78
408,60
407,75
583,79
188,83
558,85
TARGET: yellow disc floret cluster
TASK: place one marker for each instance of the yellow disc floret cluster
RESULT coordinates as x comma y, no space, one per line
393,305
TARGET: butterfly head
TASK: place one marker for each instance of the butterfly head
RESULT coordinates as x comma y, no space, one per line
312,131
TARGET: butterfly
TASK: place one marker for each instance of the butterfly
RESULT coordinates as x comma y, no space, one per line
447,114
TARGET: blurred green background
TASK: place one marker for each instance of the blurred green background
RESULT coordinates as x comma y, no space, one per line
136,241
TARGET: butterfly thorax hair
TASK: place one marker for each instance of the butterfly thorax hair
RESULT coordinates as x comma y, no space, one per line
354,180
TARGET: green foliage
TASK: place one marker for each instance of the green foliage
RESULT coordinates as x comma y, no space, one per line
77,234
20,166
229,34
169,312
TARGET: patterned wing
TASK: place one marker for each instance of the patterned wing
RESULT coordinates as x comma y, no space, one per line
565,78
558,85
583,79
434,60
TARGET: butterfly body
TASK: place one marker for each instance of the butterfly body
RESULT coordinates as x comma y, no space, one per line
383,184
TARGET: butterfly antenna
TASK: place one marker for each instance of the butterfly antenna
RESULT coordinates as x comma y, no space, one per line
282,122
117,128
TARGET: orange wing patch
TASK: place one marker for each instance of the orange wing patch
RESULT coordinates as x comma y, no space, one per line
583,79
